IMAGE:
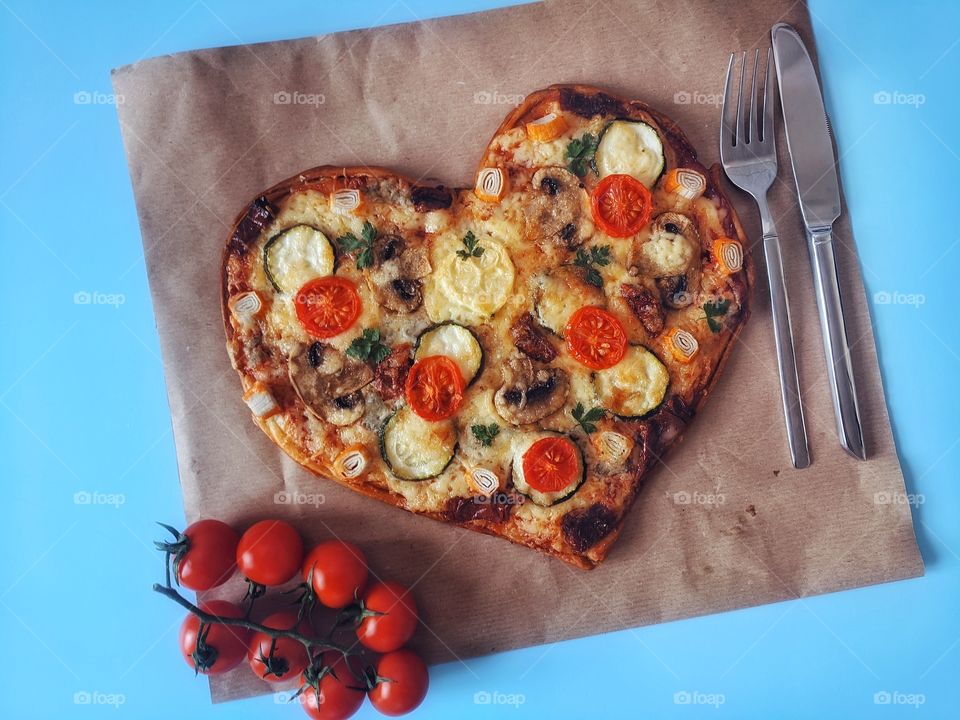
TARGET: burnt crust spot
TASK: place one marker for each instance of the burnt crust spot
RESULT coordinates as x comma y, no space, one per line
259,214
589,105
427,198
496,508
584,528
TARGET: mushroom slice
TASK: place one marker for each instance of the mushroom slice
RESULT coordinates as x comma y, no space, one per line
671,248
674,292
557,205
329,383
529,393
395,278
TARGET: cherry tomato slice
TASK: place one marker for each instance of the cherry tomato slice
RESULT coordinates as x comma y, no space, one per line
621,205
595,338
435,387
327,306
551,464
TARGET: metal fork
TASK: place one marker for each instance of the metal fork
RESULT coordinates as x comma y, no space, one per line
748,152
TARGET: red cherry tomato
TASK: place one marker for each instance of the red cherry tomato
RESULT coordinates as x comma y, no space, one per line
270,552
338,571
389,631
224,646
340,695
276,661
407,685
211,558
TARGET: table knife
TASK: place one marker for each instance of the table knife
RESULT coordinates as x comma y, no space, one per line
814,164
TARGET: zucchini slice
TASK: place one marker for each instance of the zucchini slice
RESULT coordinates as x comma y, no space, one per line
414,448
457,343
540,498
635,386
633,148
293,257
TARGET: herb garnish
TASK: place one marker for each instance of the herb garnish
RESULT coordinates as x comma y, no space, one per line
580,154
587,418
597,256
362,246
713,310
473,249
485,433
368,347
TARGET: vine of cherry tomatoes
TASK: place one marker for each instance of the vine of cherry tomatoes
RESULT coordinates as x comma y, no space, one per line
335,670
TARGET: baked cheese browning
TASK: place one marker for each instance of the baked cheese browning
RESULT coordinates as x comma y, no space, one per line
426,303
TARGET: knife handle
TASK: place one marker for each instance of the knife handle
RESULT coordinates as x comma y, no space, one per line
835,347
786,358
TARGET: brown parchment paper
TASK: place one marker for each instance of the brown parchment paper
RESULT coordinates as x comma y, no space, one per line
205,131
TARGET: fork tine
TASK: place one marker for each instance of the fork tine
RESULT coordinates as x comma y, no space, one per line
740,128
752,104
727,133
769,100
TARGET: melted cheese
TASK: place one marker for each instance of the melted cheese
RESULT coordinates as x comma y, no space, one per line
635,385
471,290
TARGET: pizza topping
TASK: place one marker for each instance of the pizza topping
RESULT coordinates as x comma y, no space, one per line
261,402
426,198
646,306
635,386
682,344
351,462
246,306
555,207
595,338
613,450
685,182
729,254
631,148
585,527
673,291
329,383
434,387
491,184
396,277
549,469
581,155
549,127
258,216
368,347
713,310
361,247
672,246
559,293
327,306
485,434
484,481
295,256
471,247
599,256
346,200
414,448
455,342
529,394
587,419
468,291
621,205
531,340
390,375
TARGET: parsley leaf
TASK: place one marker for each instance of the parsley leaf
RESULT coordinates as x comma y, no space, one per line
485,433
473,249
580,154
587,418
368,347
713,310
597,256
362,246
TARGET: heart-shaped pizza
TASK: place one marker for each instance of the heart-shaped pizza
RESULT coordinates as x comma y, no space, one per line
513,357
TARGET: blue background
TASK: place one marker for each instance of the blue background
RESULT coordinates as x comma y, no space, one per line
83,406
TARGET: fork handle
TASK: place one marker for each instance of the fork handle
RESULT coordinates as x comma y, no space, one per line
786,359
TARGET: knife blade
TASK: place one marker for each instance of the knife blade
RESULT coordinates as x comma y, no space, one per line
814,165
